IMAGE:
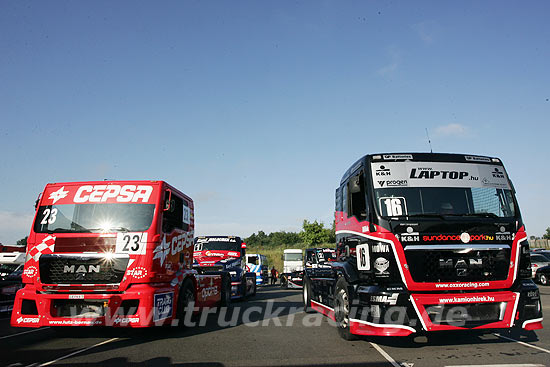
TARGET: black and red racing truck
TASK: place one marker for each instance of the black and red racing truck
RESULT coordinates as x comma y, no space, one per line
225,254
426,242
112,254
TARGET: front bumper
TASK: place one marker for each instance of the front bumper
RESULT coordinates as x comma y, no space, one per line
141,305
387,311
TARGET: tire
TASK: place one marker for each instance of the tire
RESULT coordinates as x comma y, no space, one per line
306,296
342,308
543,278
255,287
185,297
284,282
226,291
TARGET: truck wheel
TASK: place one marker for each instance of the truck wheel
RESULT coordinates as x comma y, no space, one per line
307,296
342,308
254,287
186,297
543,279
284,282
226,291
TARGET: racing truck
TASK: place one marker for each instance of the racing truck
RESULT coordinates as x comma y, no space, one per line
426,242
116,253
11,268
258,264
293,269
318,258
225,255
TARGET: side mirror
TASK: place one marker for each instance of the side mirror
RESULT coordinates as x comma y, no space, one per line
168,202
37,201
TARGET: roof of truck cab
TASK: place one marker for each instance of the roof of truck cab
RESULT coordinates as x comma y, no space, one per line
421,157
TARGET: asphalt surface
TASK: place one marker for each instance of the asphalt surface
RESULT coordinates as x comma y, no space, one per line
268,331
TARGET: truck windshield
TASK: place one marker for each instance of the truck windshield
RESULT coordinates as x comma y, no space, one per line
293,257
442,189
94,218
218,245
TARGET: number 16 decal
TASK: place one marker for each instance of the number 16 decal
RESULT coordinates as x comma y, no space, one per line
131,242
393,206
363,257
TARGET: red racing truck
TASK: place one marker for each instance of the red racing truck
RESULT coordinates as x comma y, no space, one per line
112,254
226,254
426,242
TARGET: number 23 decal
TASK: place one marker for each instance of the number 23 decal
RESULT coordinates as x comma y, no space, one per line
50,215
131,242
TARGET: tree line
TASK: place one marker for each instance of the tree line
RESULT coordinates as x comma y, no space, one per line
312,233
545,236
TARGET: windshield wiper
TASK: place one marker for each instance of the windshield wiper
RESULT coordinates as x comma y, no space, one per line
423,215
58,230
482,215
117,229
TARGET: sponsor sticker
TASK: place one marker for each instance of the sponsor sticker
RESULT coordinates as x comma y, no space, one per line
390,300
125,320
30,271
163,306
113,193
381,265
139,272
472,158
438,174
28,320
397,156
381,247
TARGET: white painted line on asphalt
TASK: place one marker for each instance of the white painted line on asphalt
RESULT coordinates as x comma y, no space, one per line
78,352
523,343
498,365
24,332
385,355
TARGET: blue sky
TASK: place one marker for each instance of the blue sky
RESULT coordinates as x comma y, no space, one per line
255,108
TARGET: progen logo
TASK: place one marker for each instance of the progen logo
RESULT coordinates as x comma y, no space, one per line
28,320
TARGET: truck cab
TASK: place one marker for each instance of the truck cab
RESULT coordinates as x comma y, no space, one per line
225,254
258,264
293,268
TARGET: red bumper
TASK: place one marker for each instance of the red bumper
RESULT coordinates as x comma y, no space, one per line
152,306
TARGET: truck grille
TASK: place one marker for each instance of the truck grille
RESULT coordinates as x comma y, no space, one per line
206,269
82,269
466,315
458,263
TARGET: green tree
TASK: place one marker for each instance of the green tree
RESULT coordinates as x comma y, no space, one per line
22,241
314,233
546,236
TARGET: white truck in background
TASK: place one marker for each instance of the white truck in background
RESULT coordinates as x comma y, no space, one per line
293,268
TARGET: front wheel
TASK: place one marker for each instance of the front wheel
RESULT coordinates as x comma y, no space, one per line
226,291
543,279
307,296
342,310
186,300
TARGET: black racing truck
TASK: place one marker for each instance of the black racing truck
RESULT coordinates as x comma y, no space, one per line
426,242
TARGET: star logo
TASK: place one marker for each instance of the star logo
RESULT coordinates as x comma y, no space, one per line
59,194
162,250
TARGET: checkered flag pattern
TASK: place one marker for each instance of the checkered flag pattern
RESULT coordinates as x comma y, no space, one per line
47,246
